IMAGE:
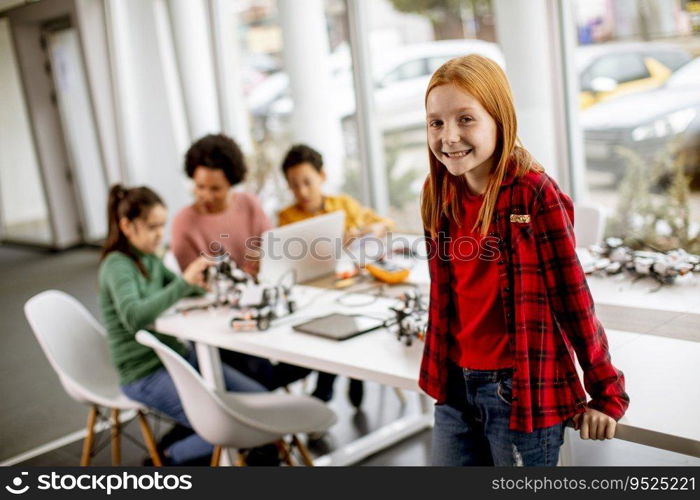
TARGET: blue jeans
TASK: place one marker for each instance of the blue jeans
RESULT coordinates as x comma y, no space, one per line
157,391
472,427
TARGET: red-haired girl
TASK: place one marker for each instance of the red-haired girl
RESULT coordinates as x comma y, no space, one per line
509,303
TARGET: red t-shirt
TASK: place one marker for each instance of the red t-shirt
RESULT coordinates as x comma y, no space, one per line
478,328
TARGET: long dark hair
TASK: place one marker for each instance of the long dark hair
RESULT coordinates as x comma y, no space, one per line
133,203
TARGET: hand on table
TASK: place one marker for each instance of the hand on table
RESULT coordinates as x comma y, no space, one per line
195,274
251,267
350,235
378,229
595,425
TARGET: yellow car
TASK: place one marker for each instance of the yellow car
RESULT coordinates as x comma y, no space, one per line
611,70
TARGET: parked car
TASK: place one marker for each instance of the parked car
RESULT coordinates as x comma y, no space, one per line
401,76
646,122
610,70
256,68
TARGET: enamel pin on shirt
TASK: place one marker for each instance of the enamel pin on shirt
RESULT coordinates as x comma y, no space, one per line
520,218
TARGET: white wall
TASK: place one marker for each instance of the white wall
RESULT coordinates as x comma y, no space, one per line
150,120
93,33
235,120
195,60
20,185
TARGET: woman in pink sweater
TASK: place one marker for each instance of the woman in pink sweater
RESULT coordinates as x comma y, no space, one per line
219,222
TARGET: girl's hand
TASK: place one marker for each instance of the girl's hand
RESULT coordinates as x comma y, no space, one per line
595,425
377,229
350,235
195,272
251,261
251,267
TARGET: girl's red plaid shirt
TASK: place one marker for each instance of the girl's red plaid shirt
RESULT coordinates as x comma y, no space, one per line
548,308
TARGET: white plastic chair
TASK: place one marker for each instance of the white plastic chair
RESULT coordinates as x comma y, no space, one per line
589,224
241,420
75,344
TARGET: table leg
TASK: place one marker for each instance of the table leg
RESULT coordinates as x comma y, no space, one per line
425,406
210,365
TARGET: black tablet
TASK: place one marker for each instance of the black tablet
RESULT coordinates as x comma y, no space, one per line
339,326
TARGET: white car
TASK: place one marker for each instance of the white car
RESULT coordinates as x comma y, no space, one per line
646,122
401,76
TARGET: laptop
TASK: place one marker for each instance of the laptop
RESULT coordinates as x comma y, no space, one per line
309,248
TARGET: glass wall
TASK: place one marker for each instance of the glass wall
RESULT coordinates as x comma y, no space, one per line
413,39
271,104
637,102
410,39
640,112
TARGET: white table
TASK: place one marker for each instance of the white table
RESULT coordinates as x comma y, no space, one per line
661,376
622,290
375,356
661,373
618,290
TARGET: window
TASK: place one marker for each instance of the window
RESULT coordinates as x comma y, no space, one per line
414,39
435,62
642,137
271,104
687,76
407,71
671,59
621,68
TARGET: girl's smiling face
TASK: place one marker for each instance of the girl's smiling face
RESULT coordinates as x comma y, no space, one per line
461,133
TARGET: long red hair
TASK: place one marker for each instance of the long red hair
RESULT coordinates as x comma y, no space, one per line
442,193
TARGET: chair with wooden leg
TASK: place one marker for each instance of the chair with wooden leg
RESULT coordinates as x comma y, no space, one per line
235,420
75,344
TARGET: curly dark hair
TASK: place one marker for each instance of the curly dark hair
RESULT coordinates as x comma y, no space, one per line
301,153
216,151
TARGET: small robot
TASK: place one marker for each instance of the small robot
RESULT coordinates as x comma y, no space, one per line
275,302
227,282
612,257
411,317
254,305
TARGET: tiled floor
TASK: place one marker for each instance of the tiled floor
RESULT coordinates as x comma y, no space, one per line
412,451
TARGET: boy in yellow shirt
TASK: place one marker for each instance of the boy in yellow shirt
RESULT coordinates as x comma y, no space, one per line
303,169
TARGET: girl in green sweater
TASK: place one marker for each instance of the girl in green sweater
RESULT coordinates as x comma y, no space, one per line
135,287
